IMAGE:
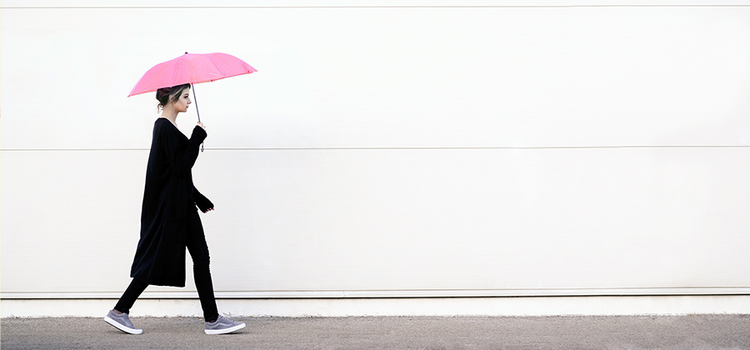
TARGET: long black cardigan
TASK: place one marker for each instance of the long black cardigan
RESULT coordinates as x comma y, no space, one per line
168,197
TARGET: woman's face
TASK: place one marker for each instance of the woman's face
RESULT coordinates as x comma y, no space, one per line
182,103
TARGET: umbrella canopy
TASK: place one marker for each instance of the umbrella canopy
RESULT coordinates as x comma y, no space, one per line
191,69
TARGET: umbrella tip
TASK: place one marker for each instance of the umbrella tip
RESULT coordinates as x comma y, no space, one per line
186,52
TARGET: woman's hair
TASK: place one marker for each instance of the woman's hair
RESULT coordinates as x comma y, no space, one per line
169,94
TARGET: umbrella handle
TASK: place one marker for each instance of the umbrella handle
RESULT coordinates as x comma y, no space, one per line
192,87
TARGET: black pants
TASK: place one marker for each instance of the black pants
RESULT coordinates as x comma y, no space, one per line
198,249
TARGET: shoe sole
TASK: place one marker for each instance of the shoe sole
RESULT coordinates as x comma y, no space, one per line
225,330
121,327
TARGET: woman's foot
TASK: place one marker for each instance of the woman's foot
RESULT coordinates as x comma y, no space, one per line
122,322
223,325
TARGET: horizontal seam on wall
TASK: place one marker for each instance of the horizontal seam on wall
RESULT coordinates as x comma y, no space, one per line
398,294
361,148
355,7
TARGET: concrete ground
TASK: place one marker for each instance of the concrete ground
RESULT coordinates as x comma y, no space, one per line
569,332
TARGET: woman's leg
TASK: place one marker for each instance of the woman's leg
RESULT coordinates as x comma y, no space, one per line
128,298
196,244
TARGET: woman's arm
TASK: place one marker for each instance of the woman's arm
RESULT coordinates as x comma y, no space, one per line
203,203
181,160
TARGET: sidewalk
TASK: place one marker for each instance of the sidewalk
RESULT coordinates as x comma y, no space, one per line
617,332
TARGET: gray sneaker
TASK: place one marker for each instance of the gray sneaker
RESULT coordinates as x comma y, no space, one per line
223,325
121,322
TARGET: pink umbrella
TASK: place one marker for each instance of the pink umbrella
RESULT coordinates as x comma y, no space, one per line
191,69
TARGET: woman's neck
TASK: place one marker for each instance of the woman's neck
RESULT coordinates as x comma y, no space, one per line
172,117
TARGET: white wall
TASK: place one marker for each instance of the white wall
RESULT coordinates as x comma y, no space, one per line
423,148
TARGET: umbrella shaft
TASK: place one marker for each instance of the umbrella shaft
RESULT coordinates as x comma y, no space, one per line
195,98
192,87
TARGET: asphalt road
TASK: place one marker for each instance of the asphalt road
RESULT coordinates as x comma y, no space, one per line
616,332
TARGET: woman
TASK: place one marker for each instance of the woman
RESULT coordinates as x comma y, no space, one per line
169,219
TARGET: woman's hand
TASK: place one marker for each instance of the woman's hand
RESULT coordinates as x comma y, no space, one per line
201,125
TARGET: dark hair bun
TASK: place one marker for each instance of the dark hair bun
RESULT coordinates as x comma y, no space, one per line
169,94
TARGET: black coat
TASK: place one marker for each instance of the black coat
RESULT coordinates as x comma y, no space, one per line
167,199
